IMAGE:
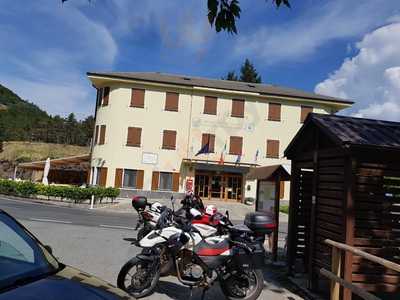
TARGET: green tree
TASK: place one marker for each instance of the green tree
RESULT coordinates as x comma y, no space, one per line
222,14
248,73
231,76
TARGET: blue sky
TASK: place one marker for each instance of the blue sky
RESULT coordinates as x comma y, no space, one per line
338,47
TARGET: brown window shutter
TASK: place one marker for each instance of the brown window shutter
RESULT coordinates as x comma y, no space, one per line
118,178
96,134
235,145
237,108
103,176
154,181
172,101
98,97
274,112
175,182
208,137
106,95
305,110
272,148
137,98
169,139
134,136
139,179
210,105
282,190
102,135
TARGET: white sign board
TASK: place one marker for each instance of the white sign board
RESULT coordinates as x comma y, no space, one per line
149,158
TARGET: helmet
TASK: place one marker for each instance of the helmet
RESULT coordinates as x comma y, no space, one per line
139,202
211,210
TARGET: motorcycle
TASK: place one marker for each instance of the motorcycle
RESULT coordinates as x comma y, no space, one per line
149,213
233,259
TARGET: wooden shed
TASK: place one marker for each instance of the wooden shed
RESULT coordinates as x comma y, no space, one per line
345,186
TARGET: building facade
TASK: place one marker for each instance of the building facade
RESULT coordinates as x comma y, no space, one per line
157,133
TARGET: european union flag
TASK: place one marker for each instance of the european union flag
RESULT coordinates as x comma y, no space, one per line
205,149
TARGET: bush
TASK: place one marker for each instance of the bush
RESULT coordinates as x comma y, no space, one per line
77,194
284,209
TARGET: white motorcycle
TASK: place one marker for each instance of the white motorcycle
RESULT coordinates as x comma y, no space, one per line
233,259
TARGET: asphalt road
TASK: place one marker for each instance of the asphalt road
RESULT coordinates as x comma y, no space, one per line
92,241
33,211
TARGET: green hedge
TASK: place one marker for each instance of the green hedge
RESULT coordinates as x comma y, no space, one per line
78,194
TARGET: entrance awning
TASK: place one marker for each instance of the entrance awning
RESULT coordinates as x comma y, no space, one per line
269,173
213,165
79,163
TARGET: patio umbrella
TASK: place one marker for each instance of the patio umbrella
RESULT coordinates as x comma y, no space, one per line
46,172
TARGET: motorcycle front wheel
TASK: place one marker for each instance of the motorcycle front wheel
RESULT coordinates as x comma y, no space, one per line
241,285
138,277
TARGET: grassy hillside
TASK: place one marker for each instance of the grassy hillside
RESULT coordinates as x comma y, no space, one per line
28,151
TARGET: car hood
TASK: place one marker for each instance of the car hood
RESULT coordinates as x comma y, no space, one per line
67,284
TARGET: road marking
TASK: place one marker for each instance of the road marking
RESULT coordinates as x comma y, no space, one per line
117,227
50,220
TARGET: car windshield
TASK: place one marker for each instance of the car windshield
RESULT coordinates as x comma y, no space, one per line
22,259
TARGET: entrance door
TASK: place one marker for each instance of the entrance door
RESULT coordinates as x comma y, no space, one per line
216,186
201,185
233,187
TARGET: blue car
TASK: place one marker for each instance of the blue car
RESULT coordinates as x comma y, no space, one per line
29,271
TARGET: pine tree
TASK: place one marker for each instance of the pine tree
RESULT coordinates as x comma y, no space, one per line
248,73
231,76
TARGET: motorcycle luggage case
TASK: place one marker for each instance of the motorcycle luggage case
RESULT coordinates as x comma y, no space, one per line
139,202
260,223
244,259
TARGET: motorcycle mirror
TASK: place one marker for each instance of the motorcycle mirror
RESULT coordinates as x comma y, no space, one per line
227,214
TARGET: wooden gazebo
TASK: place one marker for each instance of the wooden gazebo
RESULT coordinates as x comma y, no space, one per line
345,187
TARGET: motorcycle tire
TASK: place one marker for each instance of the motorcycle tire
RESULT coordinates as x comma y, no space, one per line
229,290
142,291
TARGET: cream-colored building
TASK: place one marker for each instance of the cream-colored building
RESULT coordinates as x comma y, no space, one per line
150,126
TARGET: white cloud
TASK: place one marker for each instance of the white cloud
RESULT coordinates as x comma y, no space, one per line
299,38
371,77
45,62
179,24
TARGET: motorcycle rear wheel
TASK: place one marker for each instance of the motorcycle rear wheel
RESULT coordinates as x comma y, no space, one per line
138,278
243,285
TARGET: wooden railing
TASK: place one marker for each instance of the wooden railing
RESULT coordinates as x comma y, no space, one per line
335,273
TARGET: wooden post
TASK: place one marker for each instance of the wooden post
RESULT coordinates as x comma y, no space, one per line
276,206
293,206
336,270
349,222
312,276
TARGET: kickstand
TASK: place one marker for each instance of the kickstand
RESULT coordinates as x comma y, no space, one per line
191,293
204,293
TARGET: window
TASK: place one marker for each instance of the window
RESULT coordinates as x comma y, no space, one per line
165,181
96,135
237,108
272,148
106,95
102,138
169,140
99,96
137,98
305,110
235,145
274,112
129,178
172,101
210,105
210,139
134,136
